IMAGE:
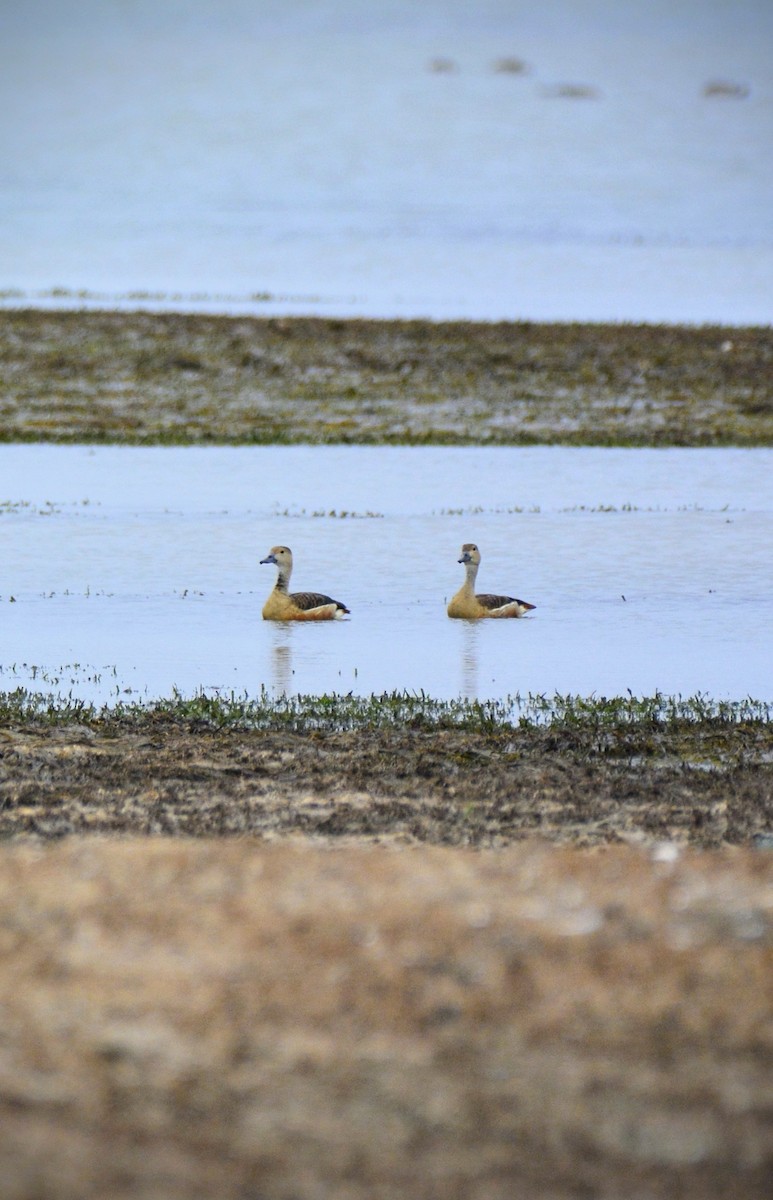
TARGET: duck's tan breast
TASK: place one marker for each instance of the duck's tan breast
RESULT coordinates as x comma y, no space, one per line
465,605
278,607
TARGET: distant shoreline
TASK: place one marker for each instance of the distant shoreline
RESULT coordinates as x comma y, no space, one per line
143,377
268,305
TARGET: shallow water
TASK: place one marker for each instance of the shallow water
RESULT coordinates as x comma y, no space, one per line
134,571
308,153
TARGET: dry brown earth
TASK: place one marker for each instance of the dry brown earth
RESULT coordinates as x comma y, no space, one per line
235,1019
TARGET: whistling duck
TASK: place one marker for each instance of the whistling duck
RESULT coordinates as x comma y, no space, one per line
471,606
296,606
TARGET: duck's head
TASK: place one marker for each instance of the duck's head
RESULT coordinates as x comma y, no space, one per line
470,554
280,556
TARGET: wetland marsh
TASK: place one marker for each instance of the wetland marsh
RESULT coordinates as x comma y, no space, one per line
514,940
369,910
131,572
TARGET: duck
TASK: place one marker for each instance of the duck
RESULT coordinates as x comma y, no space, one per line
296,606
468,605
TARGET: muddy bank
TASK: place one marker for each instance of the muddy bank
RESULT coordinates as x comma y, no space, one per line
182,378
234,1019
701,783
356,963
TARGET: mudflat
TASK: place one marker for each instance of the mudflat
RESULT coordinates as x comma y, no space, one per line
175,378
706,783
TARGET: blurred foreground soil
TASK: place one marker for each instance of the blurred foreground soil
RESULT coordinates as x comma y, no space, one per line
231,1018
372,972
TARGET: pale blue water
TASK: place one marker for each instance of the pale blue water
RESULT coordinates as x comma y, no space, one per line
212,150
304,157
134,571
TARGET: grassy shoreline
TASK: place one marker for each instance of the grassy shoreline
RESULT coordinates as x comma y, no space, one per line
569,770
193,379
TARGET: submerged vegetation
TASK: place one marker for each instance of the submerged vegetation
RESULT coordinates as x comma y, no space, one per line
183,379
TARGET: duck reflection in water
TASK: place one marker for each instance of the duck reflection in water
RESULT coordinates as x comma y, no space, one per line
282,662
470,634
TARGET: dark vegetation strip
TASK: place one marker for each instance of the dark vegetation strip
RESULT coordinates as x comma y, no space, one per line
180,379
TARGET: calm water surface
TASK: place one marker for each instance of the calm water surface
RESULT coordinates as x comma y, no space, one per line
338,156
134,571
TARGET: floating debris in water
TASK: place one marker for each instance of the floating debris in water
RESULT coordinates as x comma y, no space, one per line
442,66
510,66
725,89
572,91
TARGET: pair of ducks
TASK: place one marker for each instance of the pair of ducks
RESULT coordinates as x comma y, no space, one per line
283,605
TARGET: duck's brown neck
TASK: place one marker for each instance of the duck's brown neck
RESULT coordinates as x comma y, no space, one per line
282,579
